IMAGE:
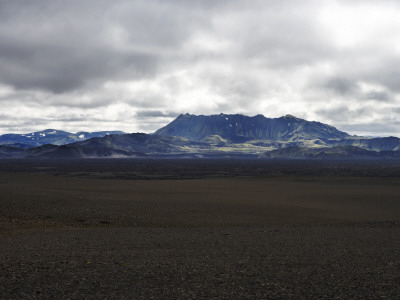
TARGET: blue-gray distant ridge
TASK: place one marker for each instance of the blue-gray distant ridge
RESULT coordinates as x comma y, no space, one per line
50,136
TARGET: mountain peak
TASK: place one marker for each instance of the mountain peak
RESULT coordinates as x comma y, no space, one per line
289,116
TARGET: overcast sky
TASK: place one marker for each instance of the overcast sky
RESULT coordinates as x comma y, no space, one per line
135,65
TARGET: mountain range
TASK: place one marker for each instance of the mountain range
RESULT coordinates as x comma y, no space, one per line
50,136
239,128
196,136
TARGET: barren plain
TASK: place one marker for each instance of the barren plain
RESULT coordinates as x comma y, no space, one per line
199,229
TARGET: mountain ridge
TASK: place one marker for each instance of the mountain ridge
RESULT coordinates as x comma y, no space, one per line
50,136
220,135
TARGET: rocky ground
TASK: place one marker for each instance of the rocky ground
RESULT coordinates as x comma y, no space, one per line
359,261
274,237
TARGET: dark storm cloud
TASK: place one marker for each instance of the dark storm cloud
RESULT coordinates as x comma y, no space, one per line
155,114
343,113
61,46
341,86
382,69
57,70
349,88
386,74
378,96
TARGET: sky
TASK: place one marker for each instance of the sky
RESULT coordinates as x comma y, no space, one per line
135,65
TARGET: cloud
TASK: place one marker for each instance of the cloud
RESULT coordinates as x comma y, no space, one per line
379,129
135,65
61,48
341,86
155,114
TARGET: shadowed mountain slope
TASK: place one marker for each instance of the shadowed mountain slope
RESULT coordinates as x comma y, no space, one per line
337,152
374,144
50,136
9,151
132,145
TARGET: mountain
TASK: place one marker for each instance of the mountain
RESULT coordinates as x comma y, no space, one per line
126,145
49,136
208,136
240,128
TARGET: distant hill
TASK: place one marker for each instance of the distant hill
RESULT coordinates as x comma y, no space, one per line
50,136
9,152
374,144
336,152
240,128
126,145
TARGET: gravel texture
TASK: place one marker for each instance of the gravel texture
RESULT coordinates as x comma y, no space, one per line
287,237
359,261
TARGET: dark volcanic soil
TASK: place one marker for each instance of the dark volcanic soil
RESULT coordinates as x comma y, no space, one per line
269,237
309,262
202,168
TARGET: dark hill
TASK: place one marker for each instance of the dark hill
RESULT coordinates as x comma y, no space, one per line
240,128
337,152
126,145
374,144
8,151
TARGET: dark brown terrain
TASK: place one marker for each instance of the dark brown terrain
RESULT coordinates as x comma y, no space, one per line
199,229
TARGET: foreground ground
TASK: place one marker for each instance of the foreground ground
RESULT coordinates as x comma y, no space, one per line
69,234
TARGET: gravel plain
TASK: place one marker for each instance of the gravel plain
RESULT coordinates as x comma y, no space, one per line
269,237
359,261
